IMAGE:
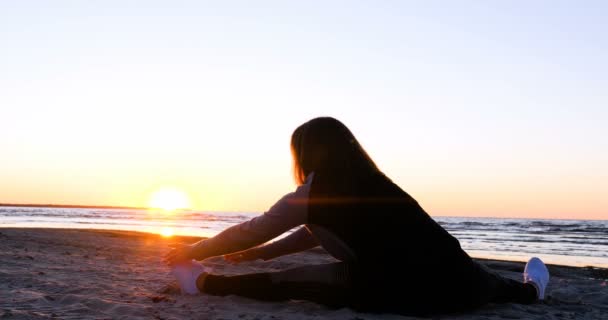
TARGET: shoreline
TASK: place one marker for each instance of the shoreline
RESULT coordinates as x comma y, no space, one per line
91,274
196,238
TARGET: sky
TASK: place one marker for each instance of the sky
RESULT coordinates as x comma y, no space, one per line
475,108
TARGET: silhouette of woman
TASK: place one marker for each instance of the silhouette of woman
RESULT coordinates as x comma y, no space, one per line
393,257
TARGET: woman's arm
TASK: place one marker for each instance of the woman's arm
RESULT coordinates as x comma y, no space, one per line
298,241
287,213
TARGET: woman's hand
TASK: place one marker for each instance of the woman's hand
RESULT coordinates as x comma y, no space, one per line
245,255
179,253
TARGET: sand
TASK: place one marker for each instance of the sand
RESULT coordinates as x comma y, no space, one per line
85,274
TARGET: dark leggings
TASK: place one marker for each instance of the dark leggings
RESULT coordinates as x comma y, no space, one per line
337,285
327,284
496,288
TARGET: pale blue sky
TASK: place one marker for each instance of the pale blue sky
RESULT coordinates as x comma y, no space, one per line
475,107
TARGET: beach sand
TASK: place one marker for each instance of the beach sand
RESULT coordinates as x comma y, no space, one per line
85,274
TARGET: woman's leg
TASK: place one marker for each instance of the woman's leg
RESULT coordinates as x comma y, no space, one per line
496,288
327,284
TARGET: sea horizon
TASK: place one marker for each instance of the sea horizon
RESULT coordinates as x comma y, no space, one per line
86,206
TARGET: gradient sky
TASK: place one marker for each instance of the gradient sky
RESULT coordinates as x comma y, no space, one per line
476,108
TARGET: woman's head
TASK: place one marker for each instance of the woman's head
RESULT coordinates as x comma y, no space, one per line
325,146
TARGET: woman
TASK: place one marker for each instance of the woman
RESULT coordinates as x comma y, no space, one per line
393,256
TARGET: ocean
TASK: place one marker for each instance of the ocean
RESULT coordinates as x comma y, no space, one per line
565,242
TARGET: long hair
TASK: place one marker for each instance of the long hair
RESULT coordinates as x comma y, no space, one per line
327,147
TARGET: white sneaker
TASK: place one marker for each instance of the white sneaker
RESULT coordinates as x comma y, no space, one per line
186,274
537,274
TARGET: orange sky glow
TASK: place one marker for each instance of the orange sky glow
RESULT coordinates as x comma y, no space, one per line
471,118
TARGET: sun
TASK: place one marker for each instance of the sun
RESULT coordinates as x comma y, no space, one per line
166,232
169,199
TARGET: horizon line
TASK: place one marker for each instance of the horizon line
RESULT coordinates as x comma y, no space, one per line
77,206
83,206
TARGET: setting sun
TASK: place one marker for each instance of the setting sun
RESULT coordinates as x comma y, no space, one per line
166,232
169,199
